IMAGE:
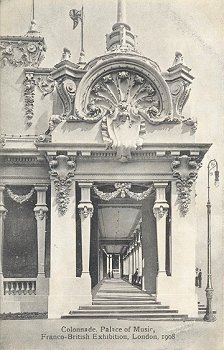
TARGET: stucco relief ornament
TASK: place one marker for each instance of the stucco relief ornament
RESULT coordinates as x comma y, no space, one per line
123,189
62,172
20,198
29,93
123,100
22,51
46,84
67,90
186,171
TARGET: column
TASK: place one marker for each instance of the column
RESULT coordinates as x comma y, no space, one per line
3,212
86,211
42,288
130,266
160,210
40,214
119,264
108,264
136,255
65,289
140,260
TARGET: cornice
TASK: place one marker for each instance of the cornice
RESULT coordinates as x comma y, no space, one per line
161,149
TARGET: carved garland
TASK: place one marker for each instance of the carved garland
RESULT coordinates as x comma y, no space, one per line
186,171
20,198
62,187
62,172
29,93
122,189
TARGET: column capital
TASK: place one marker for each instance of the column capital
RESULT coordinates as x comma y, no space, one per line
160,184
2,187
160,210
40,211
85,209
85,184
161,206
41,188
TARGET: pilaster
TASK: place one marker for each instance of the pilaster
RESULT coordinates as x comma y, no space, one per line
63,284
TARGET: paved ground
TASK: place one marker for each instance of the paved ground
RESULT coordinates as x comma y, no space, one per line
160,335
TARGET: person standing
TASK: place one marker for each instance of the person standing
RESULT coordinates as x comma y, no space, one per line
196,277
199,278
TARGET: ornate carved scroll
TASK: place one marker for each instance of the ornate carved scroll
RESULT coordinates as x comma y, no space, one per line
186,172
124,101
67,89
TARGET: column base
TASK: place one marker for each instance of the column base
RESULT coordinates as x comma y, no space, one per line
178,293
67,294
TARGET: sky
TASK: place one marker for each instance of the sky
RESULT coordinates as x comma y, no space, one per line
194,27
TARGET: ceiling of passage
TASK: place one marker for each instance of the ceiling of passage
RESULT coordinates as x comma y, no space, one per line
116,225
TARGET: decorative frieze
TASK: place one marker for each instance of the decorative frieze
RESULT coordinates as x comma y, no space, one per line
22,51
62,173
186,171
122,189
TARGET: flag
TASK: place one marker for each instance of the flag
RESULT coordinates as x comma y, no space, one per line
76,16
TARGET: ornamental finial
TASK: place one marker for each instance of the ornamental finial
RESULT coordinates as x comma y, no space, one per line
121,38
121,11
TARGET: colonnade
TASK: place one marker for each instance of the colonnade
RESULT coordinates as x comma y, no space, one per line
66,290
132,260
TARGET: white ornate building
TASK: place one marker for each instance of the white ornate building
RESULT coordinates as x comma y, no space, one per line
86,188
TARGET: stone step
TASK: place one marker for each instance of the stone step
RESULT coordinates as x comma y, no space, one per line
128,315
130,310
123,307
124,302
122,299
202,312
131,302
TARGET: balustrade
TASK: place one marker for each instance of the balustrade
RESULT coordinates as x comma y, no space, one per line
19,287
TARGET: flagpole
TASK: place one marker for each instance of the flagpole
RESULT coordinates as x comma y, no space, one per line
33,9
82,31
82,52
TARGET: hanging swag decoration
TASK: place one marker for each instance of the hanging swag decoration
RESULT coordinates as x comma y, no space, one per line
20,198
123,189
